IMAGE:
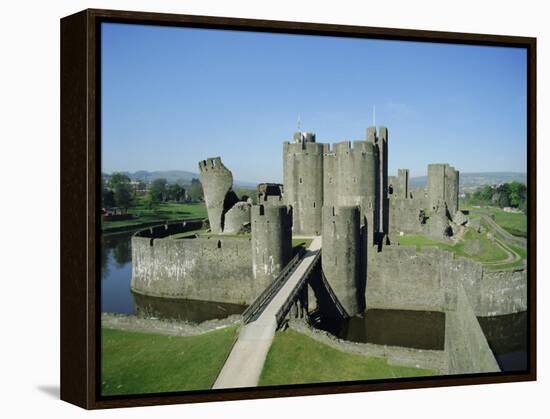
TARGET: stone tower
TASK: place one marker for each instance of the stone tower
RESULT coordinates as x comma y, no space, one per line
271,241
382,142
442,188
341,259
351,177
217,183
303,182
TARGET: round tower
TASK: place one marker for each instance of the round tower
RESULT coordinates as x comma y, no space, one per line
271,241
341,259
303,182
351,177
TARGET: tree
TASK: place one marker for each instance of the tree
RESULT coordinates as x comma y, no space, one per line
141,186
195,190
503,195
518,194
175,192
122,189
107,195
157,192
484,194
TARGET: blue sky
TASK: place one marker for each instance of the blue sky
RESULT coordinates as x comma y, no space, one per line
174,96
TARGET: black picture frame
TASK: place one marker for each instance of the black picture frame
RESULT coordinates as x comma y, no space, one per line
80,217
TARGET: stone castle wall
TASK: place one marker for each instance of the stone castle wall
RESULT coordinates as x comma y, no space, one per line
503,292
466,346
202,268
400,277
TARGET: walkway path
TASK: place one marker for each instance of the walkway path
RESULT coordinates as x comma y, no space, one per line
246,360
503,234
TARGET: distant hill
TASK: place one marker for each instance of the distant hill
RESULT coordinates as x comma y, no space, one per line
179,176
474,180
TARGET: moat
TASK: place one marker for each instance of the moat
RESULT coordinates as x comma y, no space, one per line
506,335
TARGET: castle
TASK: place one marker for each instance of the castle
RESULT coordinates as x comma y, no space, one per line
342,193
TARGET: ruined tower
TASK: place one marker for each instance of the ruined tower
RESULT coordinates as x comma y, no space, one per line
217,181
351,177
341,259
303,182
382,141
442,187
271,241
401,185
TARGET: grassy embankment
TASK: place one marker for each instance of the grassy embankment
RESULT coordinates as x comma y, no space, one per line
494,255
295,359
167,211
137,363
513,223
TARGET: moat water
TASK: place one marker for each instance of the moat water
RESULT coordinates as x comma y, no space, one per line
412,329
507,335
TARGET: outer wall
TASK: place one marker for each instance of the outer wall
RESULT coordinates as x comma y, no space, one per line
78,332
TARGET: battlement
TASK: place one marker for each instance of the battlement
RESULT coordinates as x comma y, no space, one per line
350,147
211,164
267,213
304,137
371,134
303,148
377,137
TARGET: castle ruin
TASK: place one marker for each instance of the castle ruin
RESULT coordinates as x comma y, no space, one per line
343,193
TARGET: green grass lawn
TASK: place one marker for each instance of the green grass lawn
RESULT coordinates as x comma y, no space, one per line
168,211
296,359
514,223
301,242
490,251
136,363
522,252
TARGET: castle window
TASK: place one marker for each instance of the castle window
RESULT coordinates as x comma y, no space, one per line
219,244
313,204
390,189
301,180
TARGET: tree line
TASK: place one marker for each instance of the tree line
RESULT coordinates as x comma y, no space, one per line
513,194
119,191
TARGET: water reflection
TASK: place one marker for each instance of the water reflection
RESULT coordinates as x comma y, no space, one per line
412,329
507,337
190,310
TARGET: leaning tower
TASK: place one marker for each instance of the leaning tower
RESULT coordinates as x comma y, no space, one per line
303,182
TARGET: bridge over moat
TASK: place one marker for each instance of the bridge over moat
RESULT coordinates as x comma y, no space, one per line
267,314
